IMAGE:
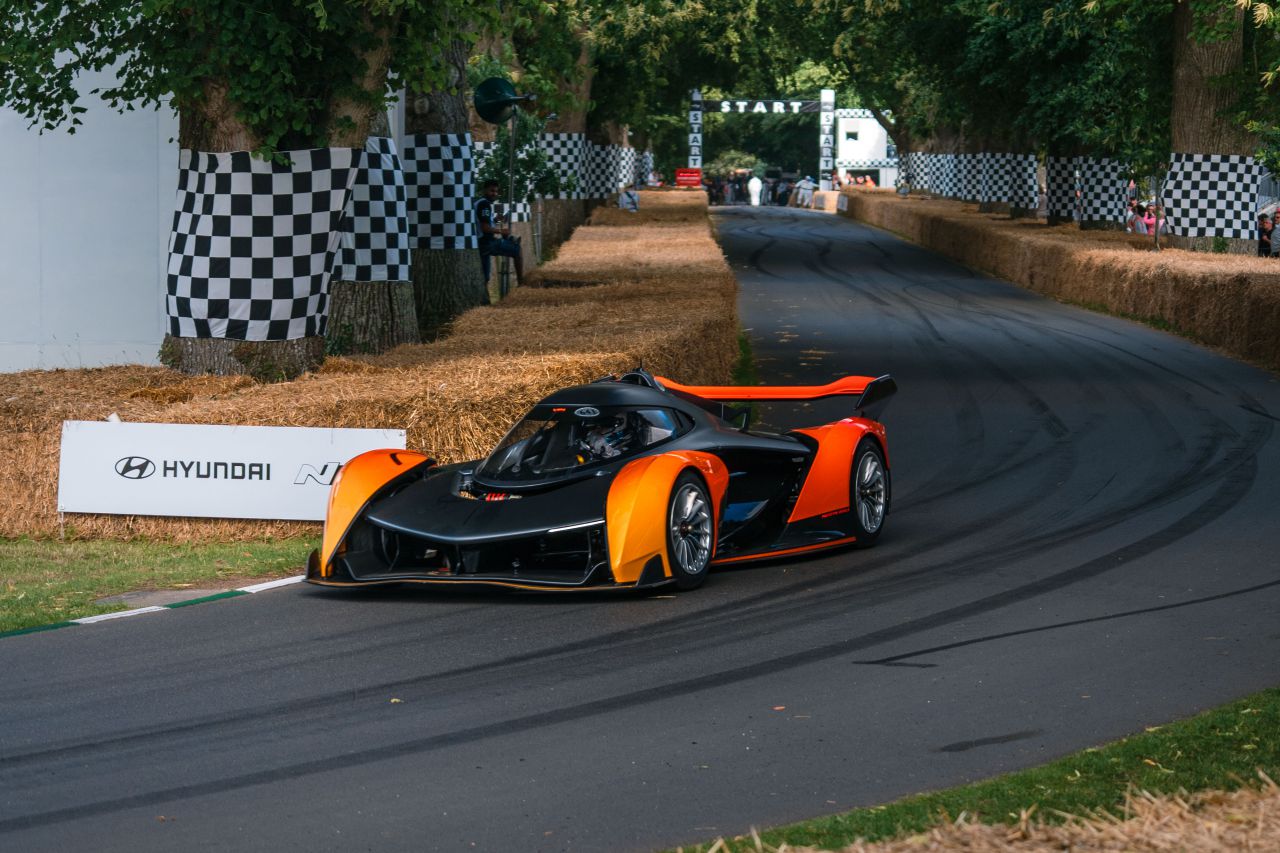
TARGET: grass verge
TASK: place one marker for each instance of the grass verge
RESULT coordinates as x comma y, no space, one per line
1222,749
744,369
44,581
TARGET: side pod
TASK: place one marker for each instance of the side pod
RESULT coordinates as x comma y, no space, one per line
636,509
358,482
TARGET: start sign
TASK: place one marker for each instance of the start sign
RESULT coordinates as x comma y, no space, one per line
688,177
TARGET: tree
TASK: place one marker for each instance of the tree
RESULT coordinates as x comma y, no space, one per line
446,281
259,76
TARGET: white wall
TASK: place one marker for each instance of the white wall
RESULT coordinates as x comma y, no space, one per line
84,232
871,144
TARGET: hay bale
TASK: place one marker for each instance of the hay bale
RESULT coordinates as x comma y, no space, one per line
1227,301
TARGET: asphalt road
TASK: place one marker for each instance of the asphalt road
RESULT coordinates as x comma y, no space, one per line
1082,543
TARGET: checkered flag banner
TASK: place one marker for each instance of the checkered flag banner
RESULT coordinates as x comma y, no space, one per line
627,167
1103,189
1060,174
1010,178
567,154
253,242
439,177
598,164
912,171
521,211
880,163
969,176
1212,195
375,225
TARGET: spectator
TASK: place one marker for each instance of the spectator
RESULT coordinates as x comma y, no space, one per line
1137,222
781,192
629,199
1266,229
495,235
754,186
804,192
1149,220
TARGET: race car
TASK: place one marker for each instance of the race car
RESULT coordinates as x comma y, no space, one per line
631,481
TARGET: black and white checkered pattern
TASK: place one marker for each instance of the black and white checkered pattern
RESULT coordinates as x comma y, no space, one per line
253,242
566,153
628,167
603,170
1010,178
1212,195
1060,175
845,112
440,180
879,163
375,225
969,176
1103,189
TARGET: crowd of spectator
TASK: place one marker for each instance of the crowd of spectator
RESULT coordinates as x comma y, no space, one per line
1145,218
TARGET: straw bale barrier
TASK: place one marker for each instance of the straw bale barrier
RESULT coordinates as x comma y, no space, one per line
662,296
1226,301
1246,819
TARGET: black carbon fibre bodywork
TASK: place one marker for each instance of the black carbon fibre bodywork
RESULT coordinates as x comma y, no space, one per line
450,524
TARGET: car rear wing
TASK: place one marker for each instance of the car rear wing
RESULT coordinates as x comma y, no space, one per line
868,390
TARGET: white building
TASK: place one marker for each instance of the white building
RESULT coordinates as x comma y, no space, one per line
863,147
84,232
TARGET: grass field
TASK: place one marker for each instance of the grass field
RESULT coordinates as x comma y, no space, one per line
1221,749
44,581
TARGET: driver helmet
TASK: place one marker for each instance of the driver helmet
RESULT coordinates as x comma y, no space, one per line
608,437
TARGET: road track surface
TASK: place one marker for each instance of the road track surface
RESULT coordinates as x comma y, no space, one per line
1082,543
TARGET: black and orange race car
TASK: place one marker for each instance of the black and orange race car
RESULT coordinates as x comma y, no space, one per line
632,481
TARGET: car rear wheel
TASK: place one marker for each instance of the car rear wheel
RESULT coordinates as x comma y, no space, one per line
690,531
868,492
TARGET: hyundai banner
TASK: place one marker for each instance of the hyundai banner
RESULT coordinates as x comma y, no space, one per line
207,471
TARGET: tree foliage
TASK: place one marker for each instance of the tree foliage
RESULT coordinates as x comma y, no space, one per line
285,67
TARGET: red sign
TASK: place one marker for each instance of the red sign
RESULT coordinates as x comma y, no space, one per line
688,177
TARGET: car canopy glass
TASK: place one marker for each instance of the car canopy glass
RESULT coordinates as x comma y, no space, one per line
558,441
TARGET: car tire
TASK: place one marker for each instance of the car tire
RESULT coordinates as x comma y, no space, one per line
869,492
690,525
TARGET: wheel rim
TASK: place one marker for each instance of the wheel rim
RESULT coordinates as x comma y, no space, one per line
690,529
871,492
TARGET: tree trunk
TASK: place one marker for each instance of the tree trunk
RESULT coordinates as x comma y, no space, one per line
370,317
367,316
213,125
265,361
1200,120
446,282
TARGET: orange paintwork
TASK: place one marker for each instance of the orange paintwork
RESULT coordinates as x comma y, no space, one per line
849,385
826,488
784,552
351,490
464,582
636,509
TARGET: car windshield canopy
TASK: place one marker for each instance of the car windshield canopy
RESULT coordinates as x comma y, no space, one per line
557,441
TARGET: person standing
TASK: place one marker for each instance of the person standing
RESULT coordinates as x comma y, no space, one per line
754,186
1266,230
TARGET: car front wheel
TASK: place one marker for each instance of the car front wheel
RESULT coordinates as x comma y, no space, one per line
690,531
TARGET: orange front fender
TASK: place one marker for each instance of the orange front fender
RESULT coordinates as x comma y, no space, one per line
357,482
636,509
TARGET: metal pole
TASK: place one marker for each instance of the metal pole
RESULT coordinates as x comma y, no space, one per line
504,279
